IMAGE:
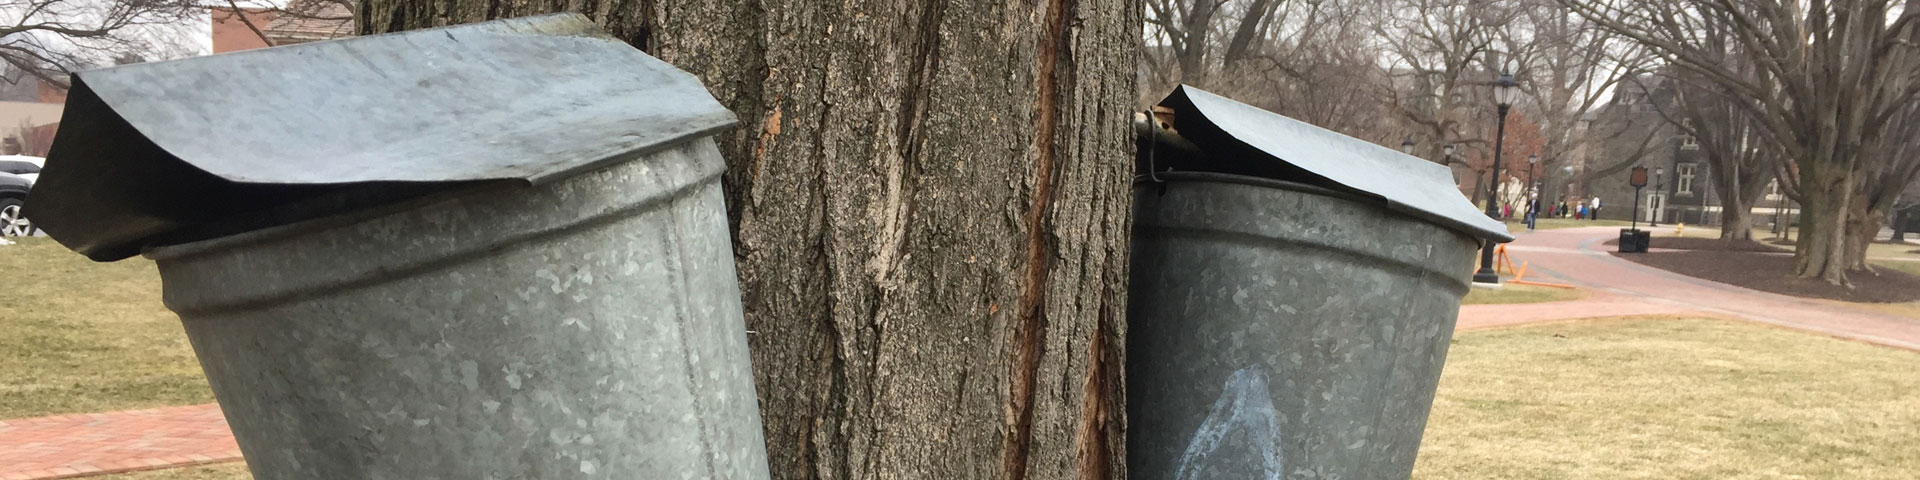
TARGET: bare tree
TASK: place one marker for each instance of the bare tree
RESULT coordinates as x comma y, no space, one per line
46,38
1442,56
1311,60
1569,68
273,23
1878,191
1831,75
1741,160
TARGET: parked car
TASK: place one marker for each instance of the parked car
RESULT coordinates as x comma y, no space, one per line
13,197
22,165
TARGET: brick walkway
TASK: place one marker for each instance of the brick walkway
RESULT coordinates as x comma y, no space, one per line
1619,288
99,443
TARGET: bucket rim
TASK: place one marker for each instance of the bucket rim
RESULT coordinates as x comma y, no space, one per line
1355,197
270,234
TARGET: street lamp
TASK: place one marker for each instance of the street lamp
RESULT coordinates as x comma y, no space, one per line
1532,194
1532,160
1505,88
1407,146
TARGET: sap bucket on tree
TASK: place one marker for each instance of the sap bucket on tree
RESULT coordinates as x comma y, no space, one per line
487,251
1292,294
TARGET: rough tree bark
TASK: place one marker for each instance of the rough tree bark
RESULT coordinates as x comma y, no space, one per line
1820,252
929,202
1863,225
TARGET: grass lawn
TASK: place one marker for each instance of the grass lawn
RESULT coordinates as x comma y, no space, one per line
1510,293
1645,398
88,337
1892,250
1669,398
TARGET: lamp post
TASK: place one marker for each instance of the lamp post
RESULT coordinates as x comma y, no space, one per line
1446,160
1504,89
1532,193
1532,161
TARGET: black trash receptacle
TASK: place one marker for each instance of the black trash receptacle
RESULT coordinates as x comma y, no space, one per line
1634,240
1292,295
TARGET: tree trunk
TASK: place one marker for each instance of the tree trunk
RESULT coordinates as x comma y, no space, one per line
929,202
1863,225
1736,219
1743,187
1821,250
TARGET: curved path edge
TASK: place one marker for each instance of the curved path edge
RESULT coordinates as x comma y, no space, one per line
1621,287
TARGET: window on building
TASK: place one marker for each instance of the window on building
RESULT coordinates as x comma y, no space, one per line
1689,142
1685,173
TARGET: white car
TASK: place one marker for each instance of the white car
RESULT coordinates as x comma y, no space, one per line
17,175
27,167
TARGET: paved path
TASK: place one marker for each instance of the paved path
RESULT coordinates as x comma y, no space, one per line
1619,287
98,443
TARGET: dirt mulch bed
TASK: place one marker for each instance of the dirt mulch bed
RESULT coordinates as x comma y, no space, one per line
1714,244
1771,273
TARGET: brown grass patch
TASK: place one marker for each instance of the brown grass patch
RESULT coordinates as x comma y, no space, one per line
1511,294
1669,398
88,337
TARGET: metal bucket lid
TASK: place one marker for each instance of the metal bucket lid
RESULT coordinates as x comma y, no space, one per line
170,152
1238,138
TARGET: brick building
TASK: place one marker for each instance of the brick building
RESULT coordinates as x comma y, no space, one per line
300,22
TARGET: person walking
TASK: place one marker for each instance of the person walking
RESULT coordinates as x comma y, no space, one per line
1594,213
1533,213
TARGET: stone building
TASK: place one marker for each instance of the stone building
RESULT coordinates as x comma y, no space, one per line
1634,130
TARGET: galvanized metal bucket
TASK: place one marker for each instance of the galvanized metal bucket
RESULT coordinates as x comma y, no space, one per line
1279,330
1292,327
587,328
491,251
